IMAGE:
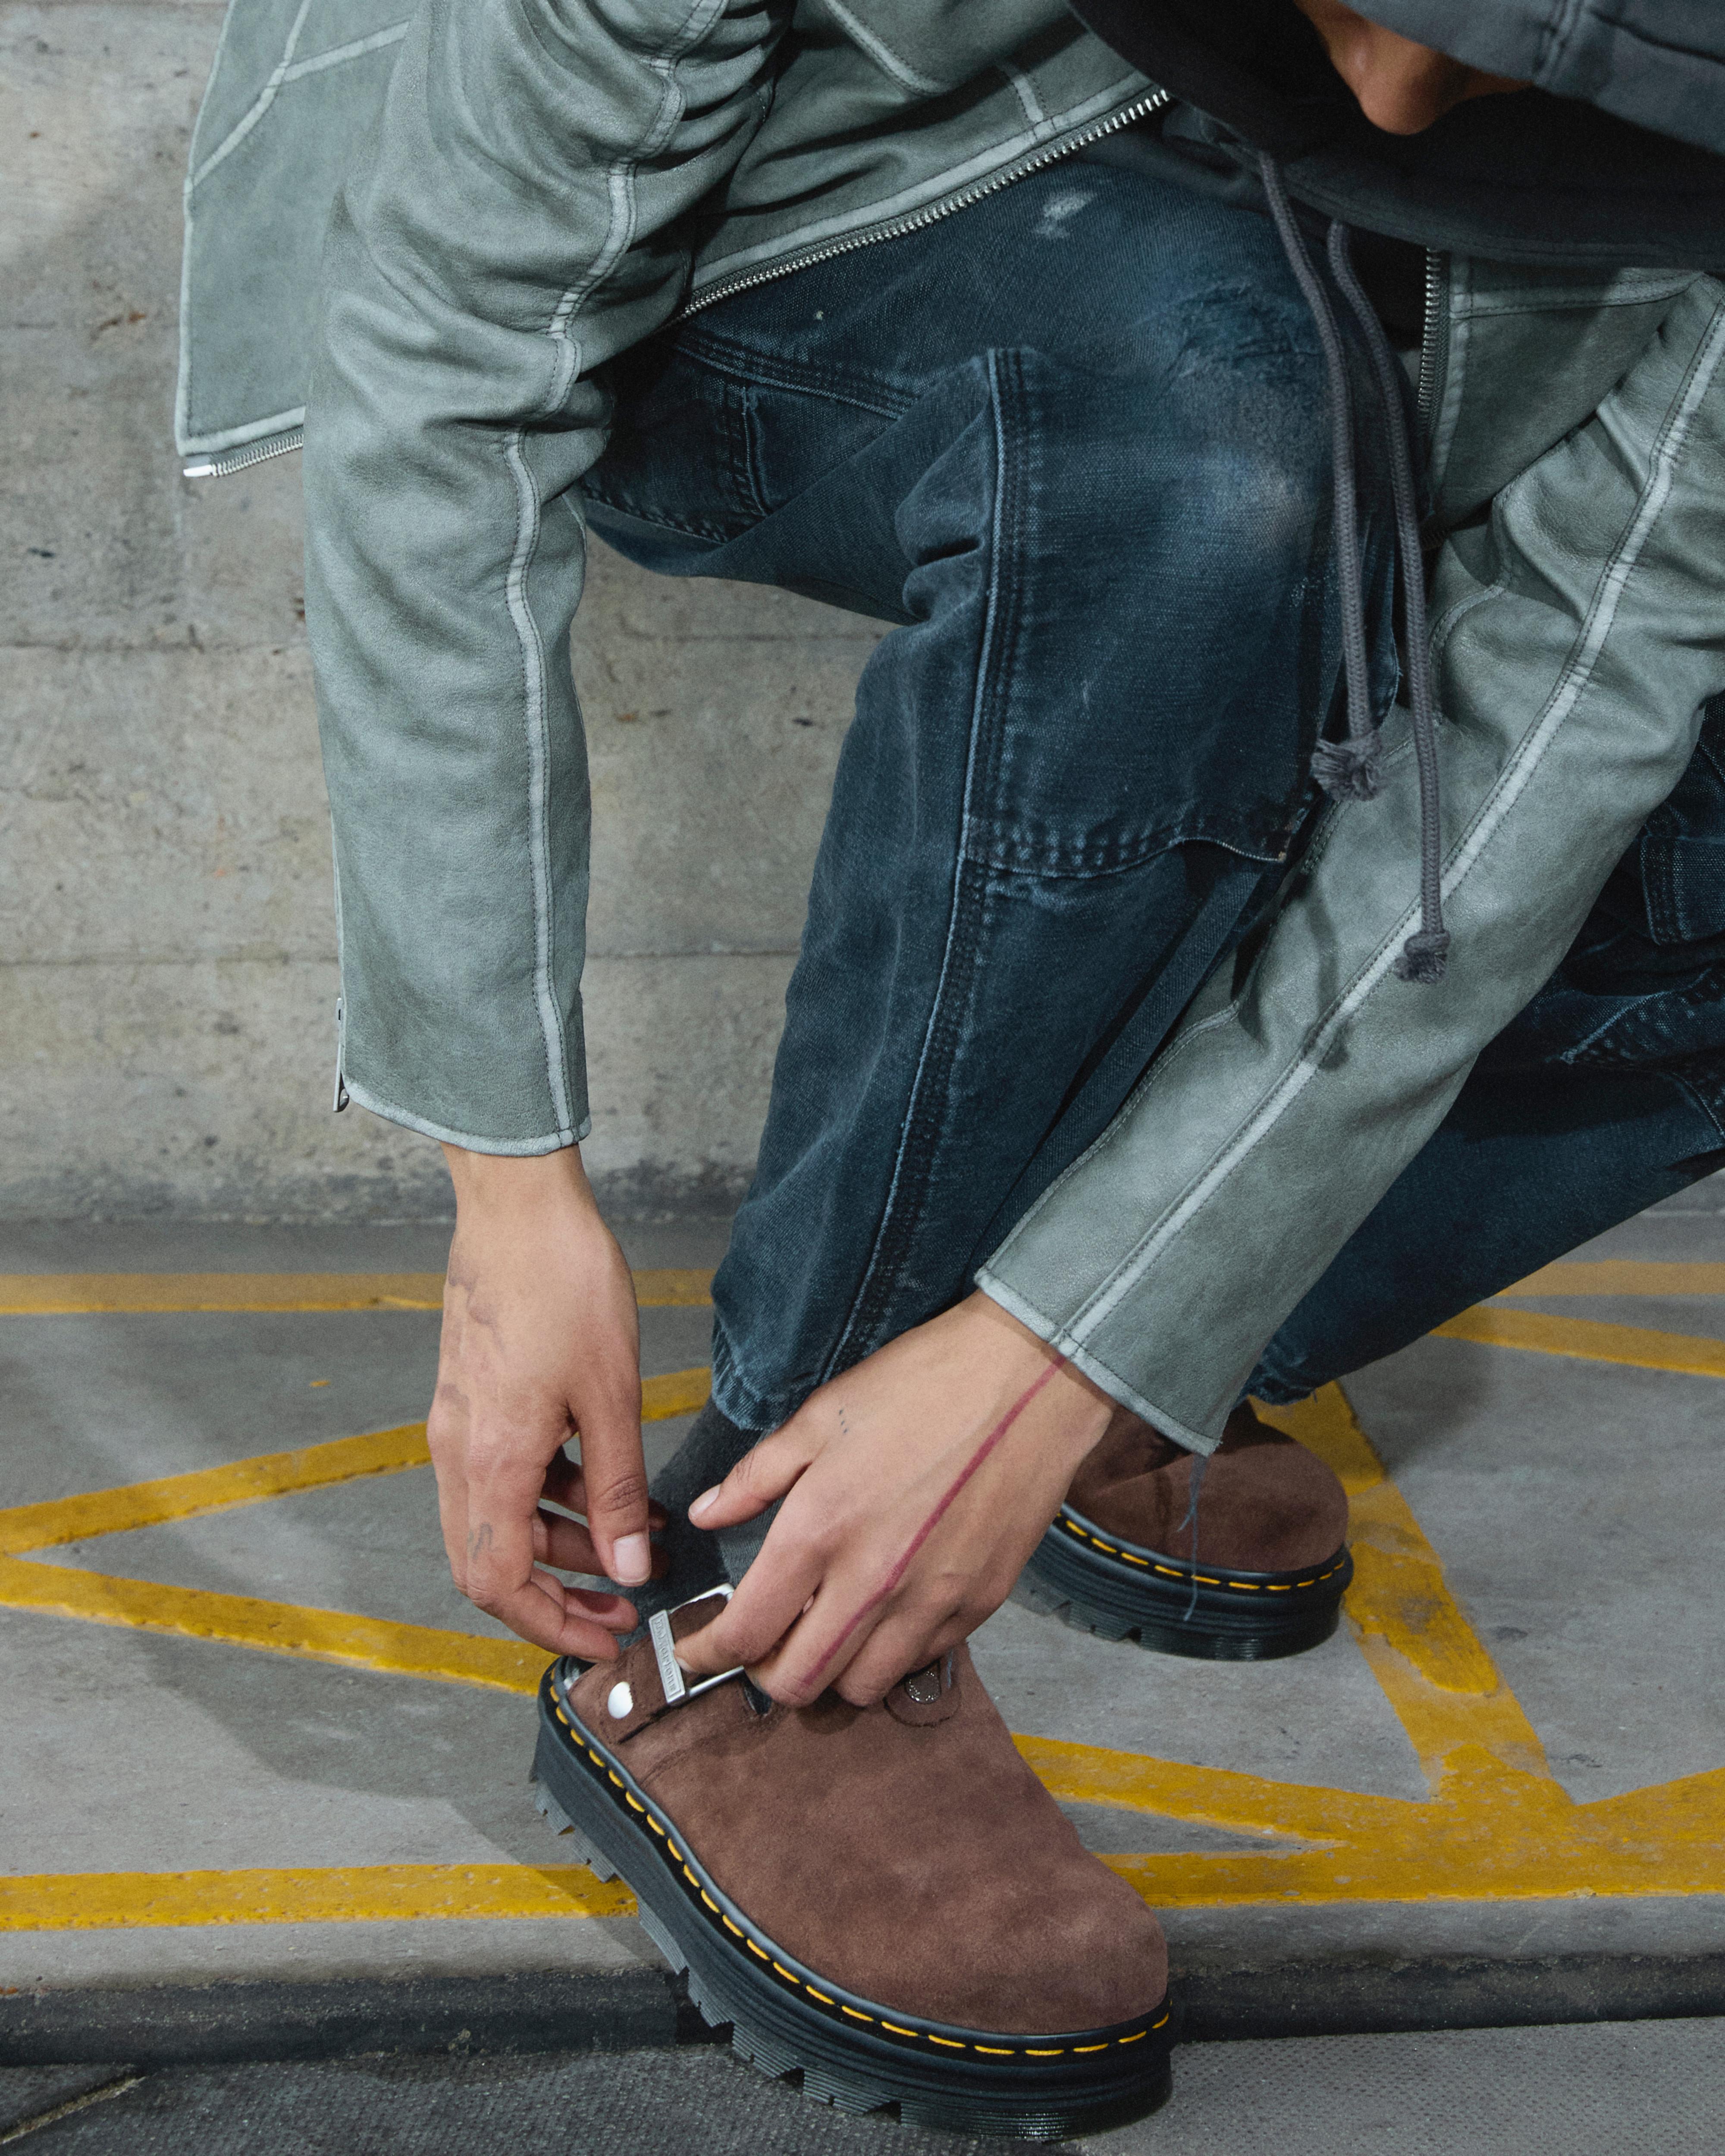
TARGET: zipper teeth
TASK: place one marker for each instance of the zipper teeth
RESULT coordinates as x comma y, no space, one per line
1431,342
253,452
281,445
919,220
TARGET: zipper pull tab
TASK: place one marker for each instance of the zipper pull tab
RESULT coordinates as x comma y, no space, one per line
340,1101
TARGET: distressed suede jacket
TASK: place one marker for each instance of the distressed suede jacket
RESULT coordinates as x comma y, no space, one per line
417,234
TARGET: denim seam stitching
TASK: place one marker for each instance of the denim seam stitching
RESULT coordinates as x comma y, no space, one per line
738,362
979,702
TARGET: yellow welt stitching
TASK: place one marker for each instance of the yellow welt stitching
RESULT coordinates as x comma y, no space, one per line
634,1804
674,1850
1279,1590
994,2050
709,1902
1031,2052
692,1878
728,1925
614,1776
654,1825
855,2016
784,1972
946,2041
1139,2038
761,1952
1131,1559
1204,1579
1090,2047
820,1995
897,2030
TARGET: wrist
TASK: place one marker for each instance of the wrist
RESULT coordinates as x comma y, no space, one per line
487,1183
1074,1411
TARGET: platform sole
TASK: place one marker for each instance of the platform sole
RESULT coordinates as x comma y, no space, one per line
850,2052
1103,1584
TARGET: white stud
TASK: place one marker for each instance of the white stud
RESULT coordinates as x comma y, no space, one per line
619,1702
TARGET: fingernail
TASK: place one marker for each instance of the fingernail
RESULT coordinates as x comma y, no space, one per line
703,1501
632,1560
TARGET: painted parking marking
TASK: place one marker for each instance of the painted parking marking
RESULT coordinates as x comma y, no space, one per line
85,1295
1622,1277
1496,1824
369,1893
1588,1340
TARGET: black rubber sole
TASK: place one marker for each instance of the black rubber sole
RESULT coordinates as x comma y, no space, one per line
1100,1584
784,2019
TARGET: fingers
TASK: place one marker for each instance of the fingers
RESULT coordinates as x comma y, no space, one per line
775,1590
567,1544
567,1621
761,1476
614,1474
897,1646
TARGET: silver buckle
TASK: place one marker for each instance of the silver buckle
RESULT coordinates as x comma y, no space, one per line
672,1682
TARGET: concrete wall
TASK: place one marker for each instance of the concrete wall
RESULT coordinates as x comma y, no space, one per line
166,947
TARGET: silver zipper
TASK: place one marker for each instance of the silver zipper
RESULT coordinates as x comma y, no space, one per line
281,445
1434,340
253,452
921,219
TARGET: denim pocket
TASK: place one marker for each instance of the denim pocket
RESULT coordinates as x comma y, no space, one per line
681,452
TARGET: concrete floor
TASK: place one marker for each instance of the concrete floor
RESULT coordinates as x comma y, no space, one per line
1601,2091
1569,1500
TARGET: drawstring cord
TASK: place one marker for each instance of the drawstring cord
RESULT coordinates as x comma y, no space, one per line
1352,770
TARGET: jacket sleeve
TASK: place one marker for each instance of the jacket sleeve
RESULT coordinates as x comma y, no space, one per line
1579,636
515,224
1658,62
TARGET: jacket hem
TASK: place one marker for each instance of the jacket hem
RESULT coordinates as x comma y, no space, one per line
470,1142
1081,1358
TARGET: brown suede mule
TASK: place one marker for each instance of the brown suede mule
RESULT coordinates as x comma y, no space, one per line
1241,1564
885,1899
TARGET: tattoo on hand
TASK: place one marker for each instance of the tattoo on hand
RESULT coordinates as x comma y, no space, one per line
479,1539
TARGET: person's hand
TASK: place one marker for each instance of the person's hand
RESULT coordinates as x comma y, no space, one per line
1401,87
918,1484
540,1341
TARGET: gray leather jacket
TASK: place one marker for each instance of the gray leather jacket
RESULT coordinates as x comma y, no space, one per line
419,234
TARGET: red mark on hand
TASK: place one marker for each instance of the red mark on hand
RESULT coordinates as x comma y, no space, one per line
939,1513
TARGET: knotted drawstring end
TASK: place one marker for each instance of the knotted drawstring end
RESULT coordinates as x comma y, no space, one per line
1425,956
1350,770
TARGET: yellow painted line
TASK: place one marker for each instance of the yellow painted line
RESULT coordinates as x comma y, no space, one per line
1496,1824
270,1474
1211,1796
1622,1277
1498,1836
210,1489
99,1900
39,1295
679,1393
1588,1339
281,1628
1444,1686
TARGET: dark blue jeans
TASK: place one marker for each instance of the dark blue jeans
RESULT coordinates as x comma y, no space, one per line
1072,443
1606,1094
